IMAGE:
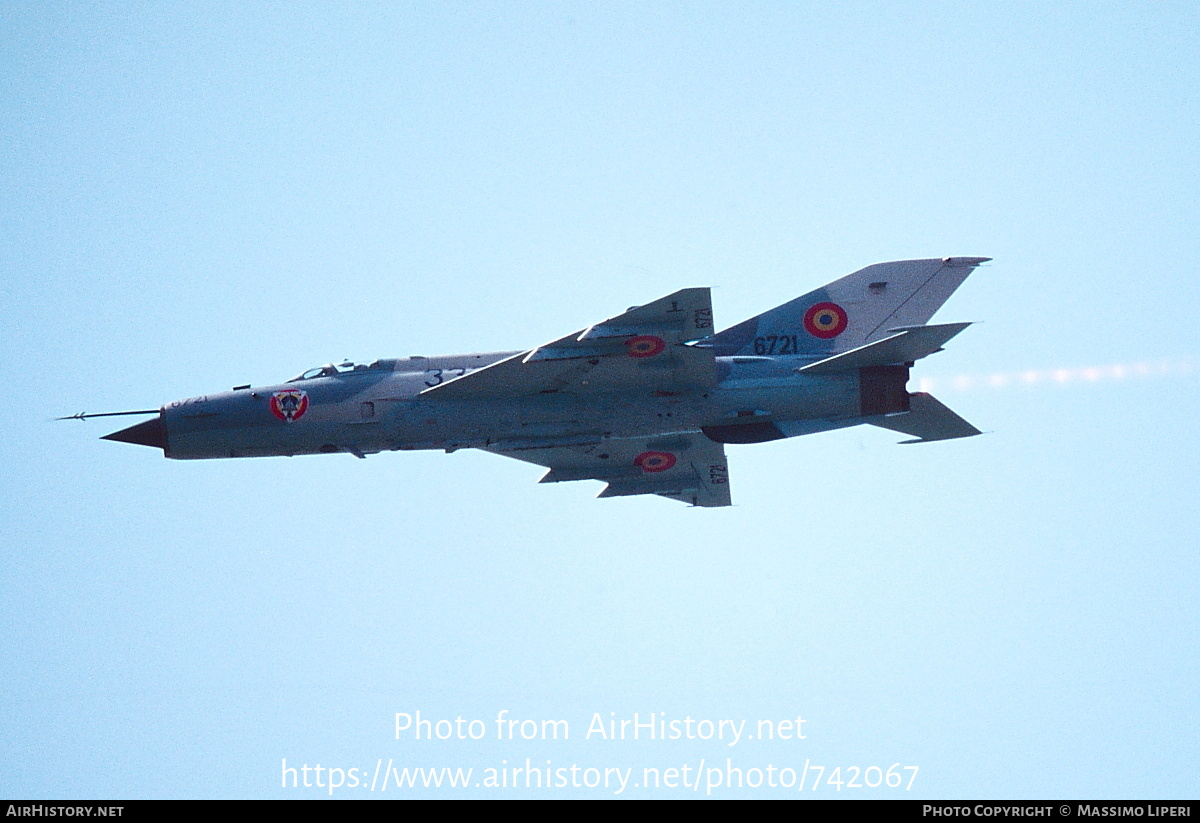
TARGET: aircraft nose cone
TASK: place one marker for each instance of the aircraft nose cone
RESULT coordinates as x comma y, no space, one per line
148,433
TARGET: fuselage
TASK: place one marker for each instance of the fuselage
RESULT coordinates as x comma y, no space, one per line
367,409
644,401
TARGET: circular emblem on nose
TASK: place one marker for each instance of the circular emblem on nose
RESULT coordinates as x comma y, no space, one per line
654,461
825,320
289,405
645,345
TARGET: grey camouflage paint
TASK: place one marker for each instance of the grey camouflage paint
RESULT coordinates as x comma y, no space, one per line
644,400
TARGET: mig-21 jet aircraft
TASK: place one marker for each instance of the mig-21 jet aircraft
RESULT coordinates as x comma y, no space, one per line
644,401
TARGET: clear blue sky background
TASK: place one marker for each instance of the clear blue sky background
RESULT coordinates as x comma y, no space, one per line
196,196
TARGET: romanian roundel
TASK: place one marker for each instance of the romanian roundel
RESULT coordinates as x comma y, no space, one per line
654,461
825,320
289,405
645,345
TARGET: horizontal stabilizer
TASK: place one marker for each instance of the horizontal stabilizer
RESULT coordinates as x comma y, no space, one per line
928,419
905,346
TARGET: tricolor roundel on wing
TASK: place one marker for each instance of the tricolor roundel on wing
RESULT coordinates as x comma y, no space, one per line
289,405
825,320
645,345
651,462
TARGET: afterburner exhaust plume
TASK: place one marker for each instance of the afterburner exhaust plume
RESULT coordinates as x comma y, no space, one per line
1044,377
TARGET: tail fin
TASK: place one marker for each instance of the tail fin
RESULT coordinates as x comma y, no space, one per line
850,312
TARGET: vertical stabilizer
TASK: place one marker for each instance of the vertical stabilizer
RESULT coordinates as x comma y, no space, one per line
850,312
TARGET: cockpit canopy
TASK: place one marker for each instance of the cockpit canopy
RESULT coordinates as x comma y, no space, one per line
330,370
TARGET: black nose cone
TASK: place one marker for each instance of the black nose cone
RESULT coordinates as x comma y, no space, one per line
149,433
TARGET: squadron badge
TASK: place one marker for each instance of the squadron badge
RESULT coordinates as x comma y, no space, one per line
289,405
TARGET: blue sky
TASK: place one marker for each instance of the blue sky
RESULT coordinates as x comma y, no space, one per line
194,197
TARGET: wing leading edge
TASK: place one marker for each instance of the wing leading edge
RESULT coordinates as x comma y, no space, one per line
643,348
687,467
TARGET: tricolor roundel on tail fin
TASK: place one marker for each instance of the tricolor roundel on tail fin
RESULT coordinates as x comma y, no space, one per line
825,320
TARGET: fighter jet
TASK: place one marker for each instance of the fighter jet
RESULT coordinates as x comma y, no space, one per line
644,401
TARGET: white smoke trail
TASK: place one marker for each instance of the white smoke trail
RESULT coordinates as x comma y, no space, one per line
1036,377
